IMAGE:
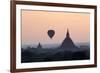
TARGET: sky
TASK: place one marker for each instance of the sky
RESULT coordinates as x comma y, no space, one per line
35,25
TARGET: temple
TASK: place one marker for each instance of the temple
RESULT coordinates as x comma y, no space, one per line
67,42
39,46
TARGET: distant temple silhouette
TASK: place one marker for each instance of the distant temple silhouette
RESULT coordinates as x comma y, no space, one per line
39,46
66,44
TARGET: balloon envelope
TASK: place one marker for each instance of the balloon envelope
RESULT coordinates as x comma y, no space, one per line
51,33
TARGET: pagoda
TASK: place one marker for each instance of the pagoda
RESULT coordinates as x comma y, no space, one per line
39,46
67,42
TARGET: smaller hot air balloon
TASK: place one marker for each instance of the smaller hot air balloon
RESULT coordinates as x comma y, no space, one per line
51,33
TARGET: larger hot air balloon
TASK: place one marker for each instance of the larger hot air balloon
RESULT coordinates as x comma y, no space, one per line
51,33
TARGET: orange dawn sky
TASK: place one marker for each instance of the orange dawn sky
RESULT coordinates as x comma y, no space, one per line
35,25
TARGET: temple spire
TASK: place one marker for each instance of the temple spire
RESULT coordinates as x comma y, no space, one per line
67,35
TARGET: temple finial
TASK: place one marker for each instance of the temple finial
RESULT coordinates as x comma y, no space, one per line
67,33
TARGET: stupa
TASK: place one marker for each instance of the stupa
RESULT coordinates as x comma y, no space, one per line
67,42
39,46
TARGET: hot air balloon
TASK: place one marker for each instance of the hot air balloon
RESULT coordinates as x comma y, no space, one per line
51,33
